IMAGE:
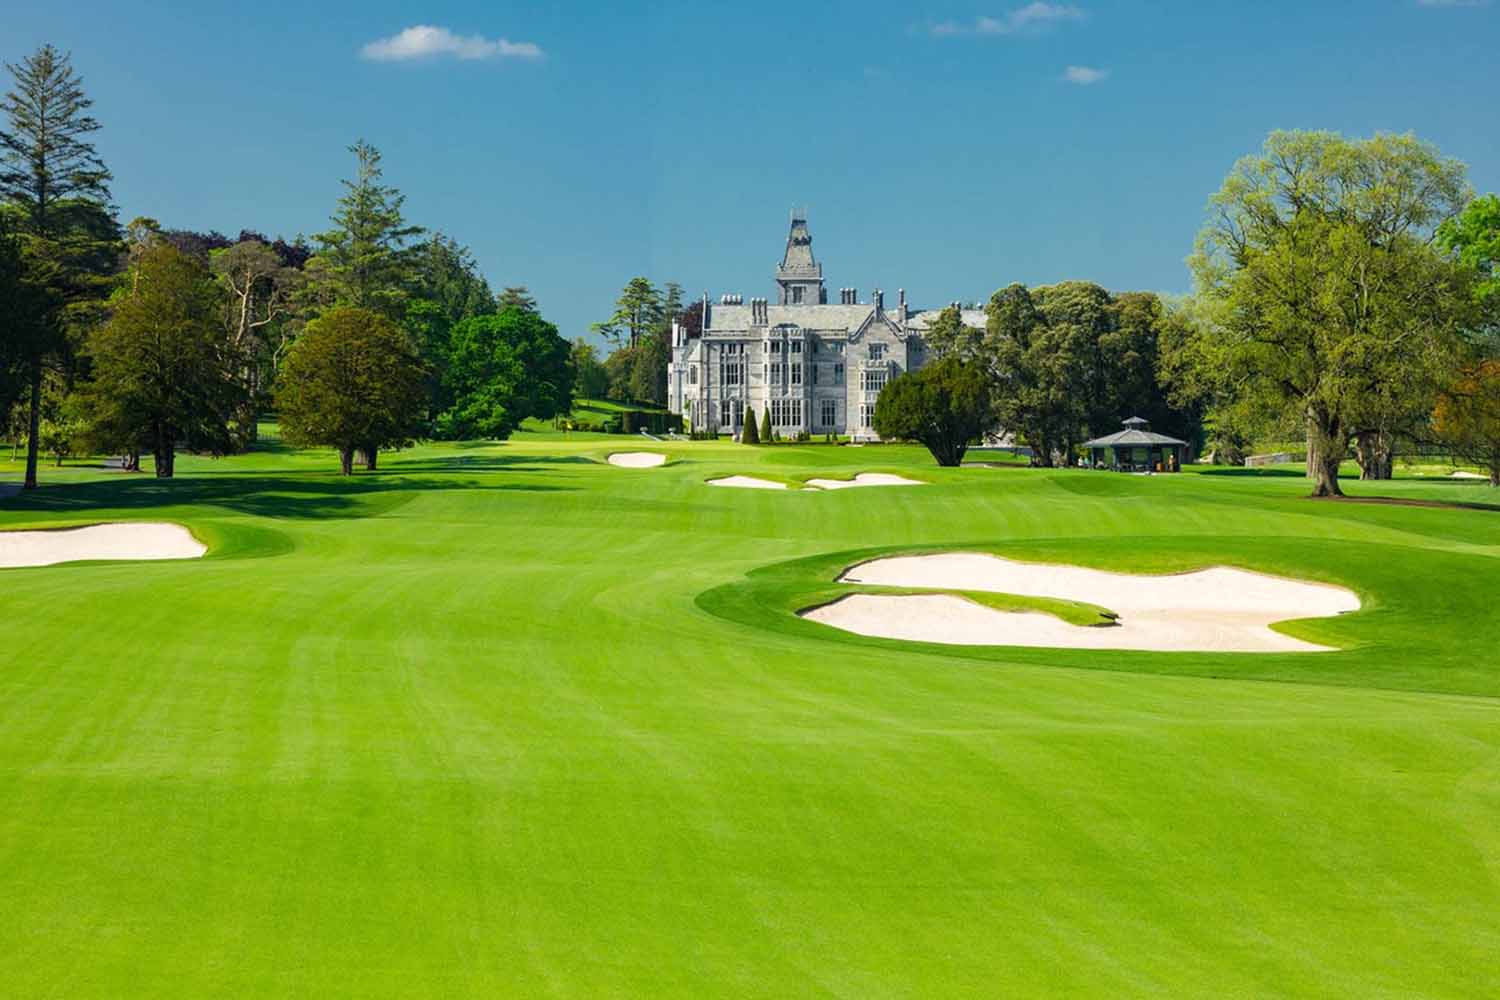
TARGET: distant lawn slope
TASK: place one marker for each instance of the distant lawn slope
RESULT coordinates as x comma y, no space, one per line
504,720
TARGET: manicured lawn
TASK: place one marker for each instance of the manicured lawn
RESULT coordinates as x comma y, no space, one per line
505,720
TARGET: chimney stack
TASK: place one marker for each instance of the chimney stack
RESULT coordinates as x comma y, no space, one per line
879,300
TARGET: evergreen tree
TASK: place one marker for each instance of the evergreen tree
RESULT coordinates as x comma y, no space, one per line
749,435
767,432
516,296
51,174
364,262
638,312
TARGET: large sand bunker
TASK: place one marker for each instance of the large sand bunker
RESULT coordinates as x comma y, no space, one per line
138,540
864,479
1212,610
637,459
747,483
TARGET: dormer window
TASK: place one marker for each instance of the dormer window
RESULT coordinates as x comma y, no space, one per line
796,295
877,352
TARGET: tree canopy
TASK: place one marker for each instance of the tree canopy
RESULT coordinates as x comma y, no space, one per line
503,368
353,381
943,405
164,374
1326,301
364,260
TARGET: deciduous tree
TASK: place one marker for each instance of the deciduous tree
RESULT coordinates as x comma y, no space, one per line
353,381
164,374
504,368
1467,417
1317,250
944,406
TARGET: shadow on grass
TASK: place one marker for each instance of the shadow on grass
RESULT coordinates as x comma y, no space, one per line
484,463
262,496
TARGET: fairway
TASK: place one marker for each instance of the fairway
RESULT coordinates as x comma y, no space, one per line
507,719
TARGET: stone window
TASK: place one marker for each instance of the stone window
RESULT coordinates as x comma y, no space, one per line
838,374
796,295
796,374
877,352
796,347
734,373
692,375
830,413
874,381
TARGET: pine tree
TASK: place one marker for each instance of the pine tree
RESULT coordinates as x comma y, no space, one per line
51,174
767,432
749,435
364,261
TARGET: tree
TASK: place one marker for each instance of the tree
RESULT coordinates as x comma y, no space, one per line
504,368
767,430
164,374
517,296
1317,252
261,294
51,173
364,261
354,381
1467,416
944,406
1473,237
749,435
591,381
637,312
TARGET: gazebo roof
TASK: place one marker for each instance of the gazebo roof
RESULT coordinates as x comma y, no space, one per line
1134,435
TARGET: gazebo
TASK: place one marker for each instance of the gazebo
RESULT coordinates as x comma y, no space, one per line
1136,449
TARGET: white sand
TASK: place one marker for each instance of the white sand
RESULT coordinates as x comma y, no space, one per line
747,483
865,479
1213,610
637,459
141,540
1463,474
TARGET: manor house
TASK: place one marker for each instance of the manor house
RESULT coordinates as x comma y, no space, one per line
818,366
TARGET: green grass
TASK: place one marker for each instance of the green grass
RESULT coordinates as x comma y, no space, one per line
505,720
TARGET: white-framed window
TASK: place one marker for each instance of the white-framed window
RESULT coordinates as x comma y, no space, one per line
797,374
874,380
692,374
877,352
866,413
830,414
796,347
838,373
734,373
775,347
777,369
797,295
726,412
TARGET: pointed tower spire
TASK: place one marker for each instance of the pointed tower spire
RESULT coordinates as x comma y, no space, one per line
799,279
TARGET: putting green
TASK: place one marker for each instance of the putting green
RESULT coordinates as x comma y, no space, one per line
502,720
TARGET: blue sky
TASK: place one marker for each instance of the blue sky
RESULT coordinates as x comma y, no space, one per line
949,147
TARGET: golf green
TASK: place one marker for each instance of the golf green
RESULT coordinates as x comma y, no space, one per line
508,720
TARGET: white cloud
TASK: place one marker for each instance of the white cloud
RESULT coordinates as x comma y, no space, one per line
425,41
1084,75
1032,16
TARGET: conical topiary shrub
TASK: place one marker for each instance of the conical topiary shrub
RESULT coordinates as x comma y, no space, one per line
749,435
767,432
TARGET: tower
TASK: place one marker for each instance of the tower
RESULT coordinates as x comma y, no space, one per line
799,279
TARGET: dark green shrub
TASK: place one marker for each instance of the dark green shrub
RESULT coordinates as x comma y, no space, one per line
750,435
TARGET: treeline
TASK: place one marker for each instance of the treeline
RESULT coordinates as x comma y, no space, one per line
639,333
1347,292
148,340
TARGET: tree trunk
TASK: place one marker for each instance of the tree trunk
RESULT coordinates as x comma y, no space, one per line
164,451
131,461
346,461
34,424
1325,450
1373,450
370,458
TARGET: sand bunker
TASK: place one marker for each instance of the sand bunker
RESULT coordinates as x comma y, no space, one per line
1461,474
141,540
1212,610
747,483
637,459
864,479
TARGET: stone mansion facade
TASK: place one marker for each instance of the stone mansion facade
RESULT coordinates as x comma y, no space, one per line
818,366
